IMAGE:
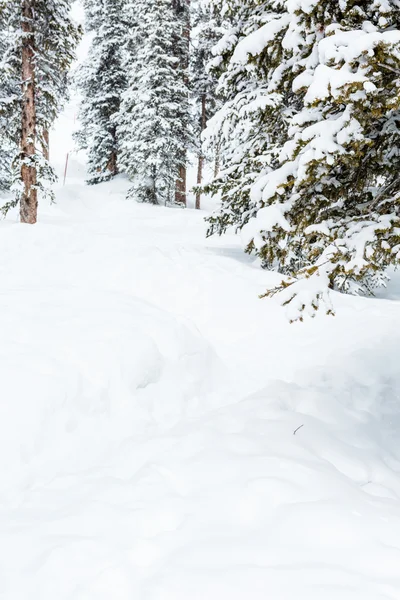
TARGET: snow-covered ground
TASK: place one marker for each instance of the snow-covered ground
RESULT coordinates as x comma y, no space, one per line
166,435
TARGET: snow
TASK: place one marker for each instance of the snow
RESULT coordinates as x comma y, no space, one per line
255,42
165,434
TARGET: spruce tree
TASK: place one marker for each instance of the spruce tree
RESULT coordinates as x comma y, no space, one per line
41,42
320,202
57,39
205,33
247,131
9,98
154,122
182,48
101,81
93,14
329,212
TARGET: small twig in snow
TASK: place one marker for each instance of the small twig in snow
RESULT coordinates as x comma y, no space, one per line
296,430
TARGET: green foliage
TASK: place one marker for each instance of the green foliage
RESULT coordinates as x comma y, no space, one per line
319,199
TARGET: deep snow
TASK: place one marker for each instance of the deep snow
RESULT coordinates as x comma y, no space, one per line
166,435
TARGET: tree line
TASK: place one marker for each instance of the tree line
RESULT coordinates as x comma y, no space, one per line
146,94
37,41
297,103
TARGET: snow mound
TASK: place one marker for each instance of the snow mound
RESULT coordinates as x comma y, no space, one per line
291,492
81,371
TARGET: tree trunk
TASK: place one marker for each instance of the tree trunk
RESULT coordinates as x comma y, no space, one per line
180,190
46,144
112,164
201,156
217,162
29,202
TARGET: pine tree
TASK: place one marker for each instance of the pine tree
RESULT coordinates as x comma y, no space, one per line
41,41
329,215
206,30
182,48
318,199
57,39
93,14
101,81
154,122
251,125
9,98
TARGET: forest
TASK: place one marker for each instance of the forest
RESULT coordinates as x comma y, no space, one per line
293,107
199,299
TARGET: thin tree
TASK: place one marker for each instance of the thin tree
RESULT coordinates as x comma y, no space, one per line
102,80
182,11
205,34
154,122
29,198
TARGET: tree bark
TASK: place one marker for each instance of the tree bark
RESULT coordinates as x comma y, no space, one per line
112,164
200,165
180,190
29,201
46,144
217,162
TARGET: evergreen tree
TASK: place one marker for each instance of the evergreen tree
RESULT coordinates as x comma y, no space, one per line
93,14
101,81
330,209
9,96
257,103
205,33
182,47
57,38
154,122
322,203
41,41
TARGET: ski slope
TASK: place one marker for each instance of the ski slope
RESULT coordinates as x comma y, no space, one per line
166,435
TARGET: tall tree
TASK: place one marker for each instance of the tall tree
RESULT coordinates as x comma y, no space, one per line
205,34
182,46
9,96
28,199
41,40
102,81
248,129
154,123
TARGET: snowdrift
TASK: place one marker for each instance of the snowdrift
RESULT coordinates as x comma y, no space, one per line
166,435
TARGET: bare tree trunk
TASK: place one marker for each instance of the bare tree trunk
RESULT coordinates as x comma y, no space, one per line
46,144
29,202
201,156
